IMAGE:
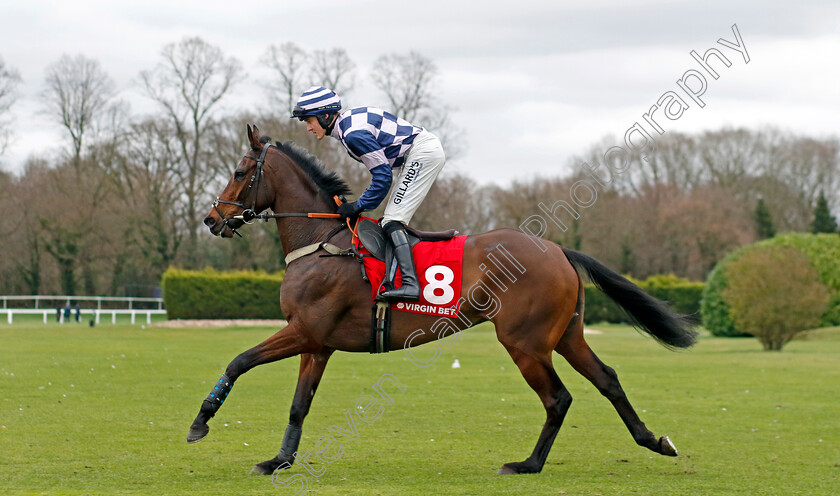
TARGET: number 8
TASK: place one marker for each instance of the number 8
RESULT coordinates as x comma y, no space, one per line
433,283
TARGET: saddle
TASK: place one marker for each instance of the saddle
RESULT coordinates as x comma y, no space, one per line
372,239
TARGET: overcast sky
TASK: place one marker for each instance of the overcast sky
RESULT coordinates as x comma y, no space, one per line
535,82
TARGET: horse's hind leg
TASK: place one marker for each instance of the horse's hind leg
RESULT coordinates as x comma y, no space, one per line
542,378
311,370
575,350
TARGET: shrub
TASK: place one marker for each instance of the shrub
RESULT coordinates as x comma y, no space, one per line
831,317
713,308
681,294
823,251
774,293
599,308
209,294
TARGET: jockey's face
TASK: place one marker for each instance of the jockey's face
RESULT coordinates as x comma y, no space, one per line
314,127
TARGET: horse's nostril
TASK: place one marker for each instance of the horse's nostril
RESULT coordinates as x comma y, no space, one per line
209,221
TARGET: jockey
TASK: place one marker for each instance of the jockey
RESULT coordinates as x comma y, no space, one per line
386,145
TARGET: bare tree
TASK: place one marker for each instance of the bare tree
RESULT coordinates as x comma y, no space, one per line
77,92
333,69
74,228
9,79
288,62
189,82
23,248
409,82
809,166
455,201
148,190
66,220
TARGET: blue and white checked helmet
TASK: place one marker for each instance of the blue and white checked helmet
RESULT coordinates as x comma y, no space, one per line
317,100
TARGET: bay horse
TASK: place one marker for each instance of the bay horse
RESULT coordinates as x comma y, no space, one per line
537,309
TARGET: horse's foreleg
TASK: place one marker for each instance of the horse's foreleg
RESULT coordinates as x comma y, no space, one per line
583,359
285,343
311,370
542,378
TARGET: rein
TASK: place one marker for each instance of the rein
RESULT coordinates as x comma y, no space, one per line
249,215
265,217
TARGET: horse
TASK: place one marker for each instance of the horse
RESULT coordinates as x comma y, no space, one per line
535,299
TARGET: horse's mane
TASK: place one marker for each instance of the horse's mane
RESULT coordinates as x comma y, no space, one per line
328,182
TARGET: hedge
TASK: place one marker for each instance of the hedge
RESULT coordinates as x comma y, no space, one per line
681,294
209,294
823,250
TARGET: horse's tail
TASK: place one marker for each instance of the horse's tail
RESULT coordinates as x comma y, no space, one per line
647,313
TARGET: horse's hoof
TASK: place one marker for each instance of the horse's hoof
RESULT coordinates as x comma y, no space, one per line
517,468
197,433
260,470
269,466
666,447
505,470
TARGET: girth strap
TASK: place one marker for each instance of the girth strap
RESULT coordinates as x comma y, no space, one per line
380,328
310,249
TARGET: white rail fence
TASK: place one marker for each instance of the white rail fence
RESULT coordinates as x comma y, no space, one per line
57,305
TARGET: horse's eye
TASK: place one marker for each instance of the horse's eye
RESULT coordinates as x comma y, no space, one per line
239,174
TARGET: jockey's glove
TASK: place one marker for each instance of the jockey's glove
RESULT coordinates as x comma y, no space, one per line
349,209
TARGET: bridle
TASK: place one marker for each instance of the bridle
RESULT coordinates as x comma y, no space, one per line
249,215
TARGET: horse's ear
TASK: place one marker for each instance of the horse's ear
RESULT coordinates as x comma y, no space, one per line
254,137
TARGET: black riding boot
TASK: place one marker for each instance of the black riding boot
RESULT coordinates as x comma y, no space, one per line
410,289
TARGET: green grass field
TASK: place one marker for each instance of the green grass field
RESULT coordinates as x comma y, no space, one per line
105,410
